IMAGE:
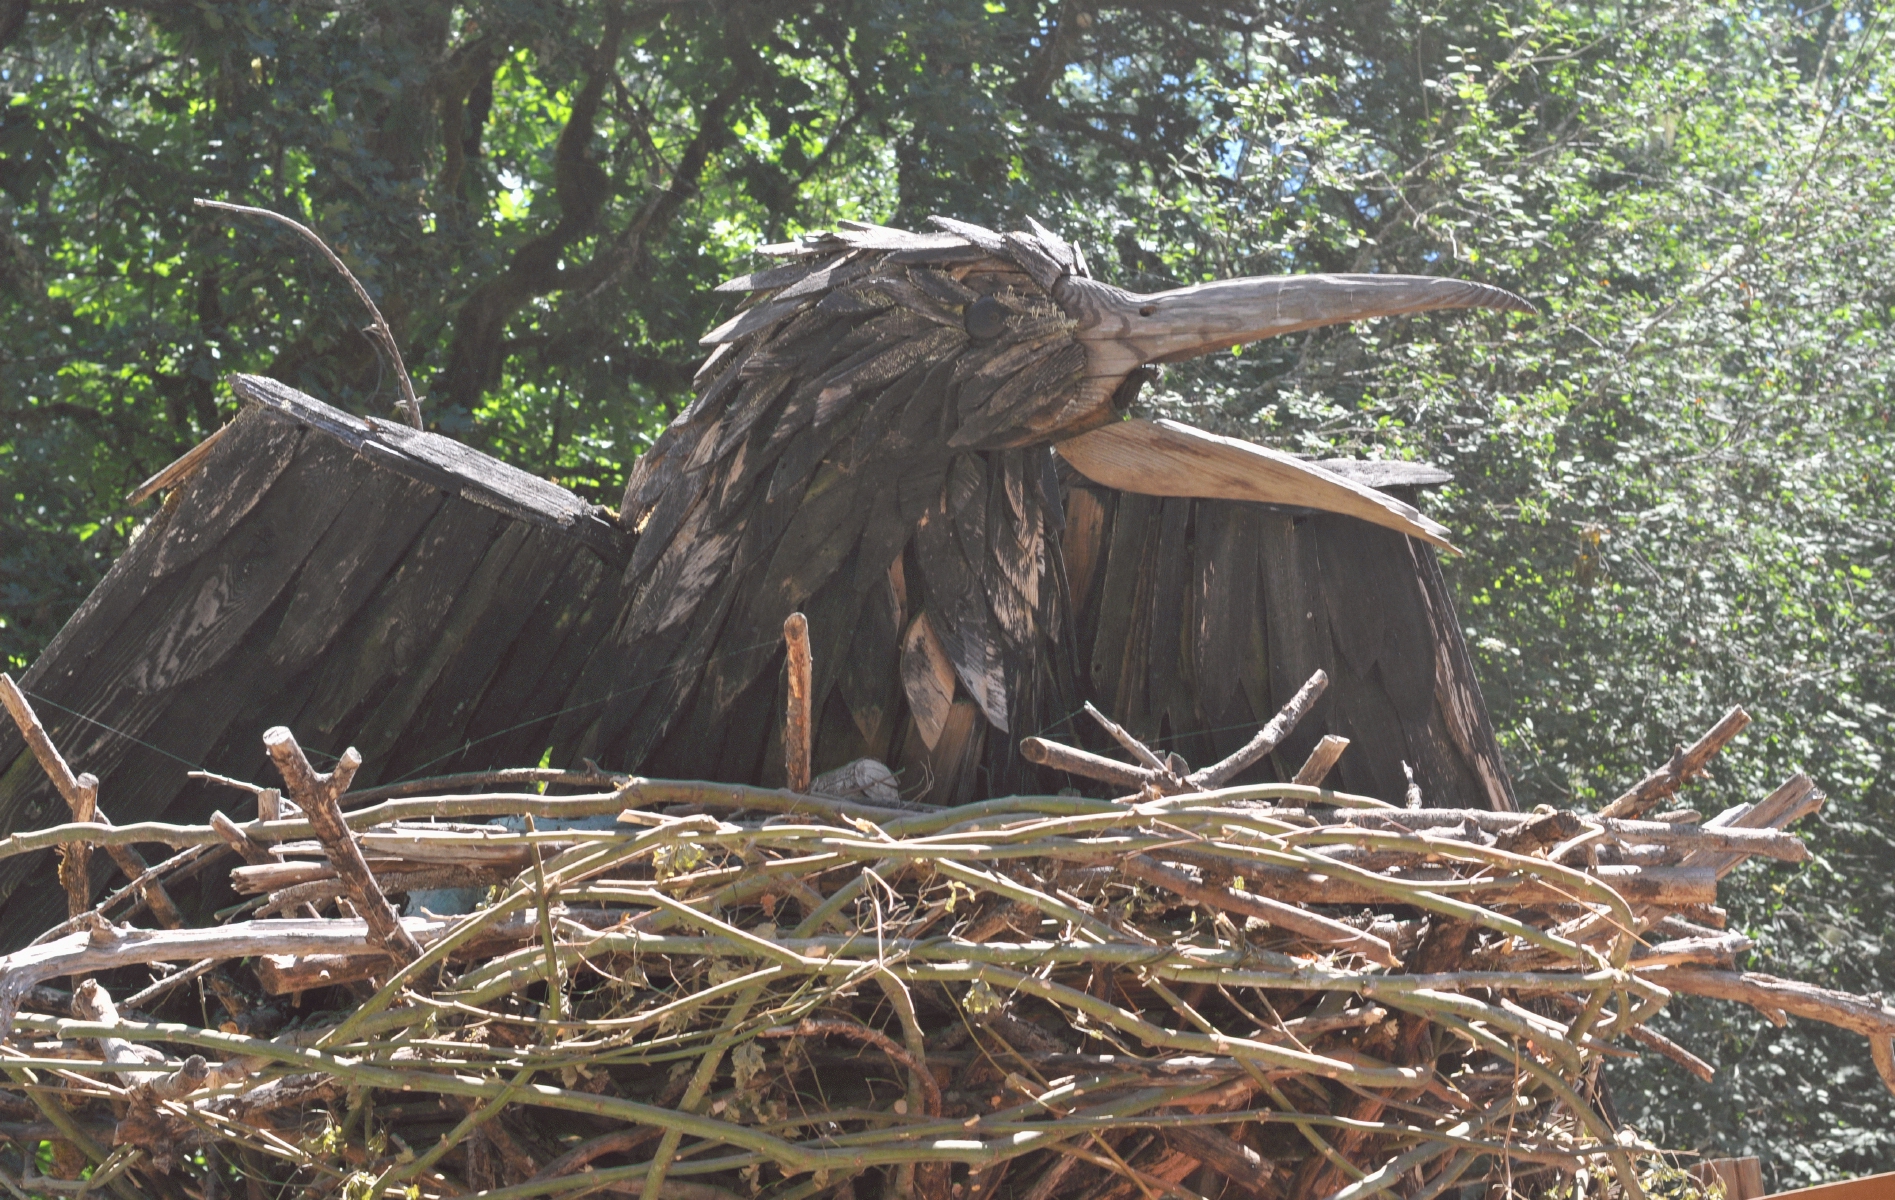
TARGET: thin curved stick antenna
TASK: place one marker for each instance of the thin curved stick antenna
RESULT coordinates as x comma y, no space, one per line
410,405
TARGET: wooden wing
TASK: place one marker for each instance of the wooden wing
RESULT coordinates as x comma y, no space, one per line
1198,618
364,584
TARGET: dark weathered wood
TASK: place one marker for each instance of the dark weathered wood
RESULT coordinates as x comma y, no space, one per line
1227,635
507,563
398,627
873,678
1275,591
368,538
515,717
446,464
1250,1171
229,591
1457,690
465,680
290,577
1296,629
81,793
1364,593
250,458
1169,690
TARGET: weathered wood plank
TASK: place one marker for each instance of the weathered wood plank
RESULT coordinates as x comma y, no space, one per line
1110,618
391,727
516,717
367,540
949,771
256,559
447,464
403,619
235,476
1083,542
185,622
1173,711
870,677
1228,643
1297,637
462,683
1457,691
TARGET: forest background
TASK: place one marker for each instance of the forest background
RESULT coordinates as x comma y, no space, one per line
1673,486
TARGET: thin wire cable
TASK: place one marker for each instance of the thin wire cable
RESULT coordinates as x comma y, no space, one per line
323,754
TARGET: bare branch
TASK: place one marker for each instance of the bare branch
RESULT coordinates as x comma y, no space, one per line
410,404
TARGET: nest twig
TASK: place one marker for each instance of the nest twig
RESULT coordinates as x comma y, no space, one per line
1266,991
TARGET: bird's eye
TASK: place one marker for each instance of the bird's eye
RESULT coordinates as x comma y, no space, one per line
1146,310
985,318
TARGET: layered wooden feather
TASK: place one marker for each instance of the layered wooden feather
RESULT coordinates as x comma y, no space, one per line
883,399
870,445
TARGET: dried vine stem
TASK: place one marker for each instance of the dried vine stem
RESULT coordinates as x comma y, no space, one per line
410,404
1023,951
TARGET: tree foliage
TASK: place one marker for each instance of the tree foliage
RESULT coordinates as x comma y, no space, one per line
1673,486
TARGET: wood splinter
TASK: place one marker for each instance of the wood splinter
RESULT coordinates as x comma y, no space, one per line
317,794
1321,760
797,726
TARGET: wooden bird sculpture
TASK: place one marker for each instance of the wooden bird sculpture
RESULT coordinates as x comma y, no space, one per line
917,440
873,443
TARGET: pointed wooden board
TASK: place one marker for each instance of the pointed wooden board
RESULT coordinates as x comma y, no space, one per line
1165,458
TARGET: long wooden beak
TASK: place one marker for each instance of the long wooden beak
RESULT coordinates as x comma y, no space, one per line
1123,330
1165,458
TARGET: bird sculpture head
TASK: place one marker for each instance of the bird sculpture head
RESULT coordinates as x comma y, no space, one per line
873,436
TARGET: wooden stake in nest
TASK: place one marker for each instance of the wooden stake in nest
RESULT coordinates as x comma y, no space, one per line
1270,991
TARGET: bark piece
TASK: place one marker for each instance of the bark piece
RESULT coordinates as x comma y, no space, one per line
927,678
